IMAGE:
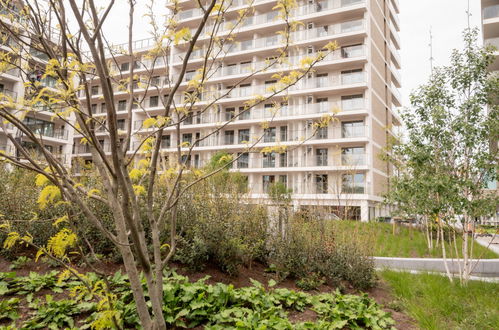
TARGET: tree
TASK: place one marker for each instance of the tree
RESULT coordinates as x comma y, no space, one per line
131,176
444,165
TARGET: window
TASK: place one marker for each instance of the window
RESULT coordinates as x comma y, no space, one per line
40,126
269,134
247,45
271,41
352,76
166,141
323,104
352,102
231,69
245,89
122,105
189,75
93,108
353,183
156,81
135,104
153,101
269,159
352,129
353,156
103,108
322,80
246,67
321,133
196,161
321,183
94,90
283,159
284,180
272,15
137,65
230,113
125,67
321,156
244,114
352,26
352,51
243,160
120,123
186,160
267,181
244,136
229,137
187,138
283,133
188,119
323,31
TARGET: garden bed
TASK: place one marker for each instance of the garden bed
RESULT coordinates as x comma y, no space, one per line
288,305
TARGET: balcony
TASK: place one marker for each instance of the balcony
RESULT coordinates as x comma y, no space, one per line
493,42
6,94
6,149
491,12
277,40
353,159
321,160
38,54
308,9
290,63
60,134
353,132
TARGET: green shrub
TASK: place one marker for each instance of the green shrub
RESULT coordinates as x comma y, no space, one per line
311,282
314,246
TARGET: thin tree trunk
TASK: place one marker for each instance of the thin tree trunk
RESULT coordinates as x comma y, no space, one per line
444,254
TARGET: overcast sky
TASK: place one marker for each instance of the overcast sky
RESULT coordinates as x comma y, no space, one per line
447,18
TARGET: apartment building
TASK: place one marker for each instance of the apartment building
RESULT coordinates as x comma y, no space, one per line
336,168
490,30
28,66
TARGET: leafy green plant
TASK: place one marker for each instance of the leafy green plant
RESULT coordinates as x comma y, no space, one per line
56,314
9,309
310,282
35,282
19,262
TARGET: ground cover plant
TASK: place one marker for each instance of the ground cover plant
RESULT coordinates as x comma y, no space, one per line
185,305
436,303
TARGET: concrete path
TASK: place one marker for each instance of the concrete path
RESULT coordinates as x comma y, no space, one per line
482,268
492,242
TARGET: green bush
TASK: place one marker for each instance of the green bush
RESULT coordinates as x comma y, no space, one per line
313,246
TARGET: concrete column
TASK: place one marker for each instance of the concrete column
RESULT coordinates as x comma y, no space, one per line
364,211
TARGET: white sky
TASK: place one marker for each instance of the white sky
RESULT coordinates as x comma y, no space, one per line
447,18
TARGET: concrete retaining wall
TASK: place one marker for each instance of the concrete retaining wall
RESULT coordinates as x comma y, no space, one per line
483,267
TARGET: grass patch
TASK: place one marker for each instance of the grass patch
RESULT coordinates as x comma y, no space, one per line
436,303
406,242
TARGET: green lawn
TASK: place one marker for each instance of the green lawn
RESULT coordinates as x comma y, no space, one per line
435,303
406,242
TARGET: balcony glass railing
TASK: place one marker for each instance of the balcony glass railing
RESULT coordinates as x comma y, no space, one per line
353,159
491,12
319,6
271,41
493,42
6,94
353,132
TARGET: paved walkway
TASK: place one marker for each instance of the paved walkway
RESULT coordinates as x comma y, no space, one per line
482,267
492,242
